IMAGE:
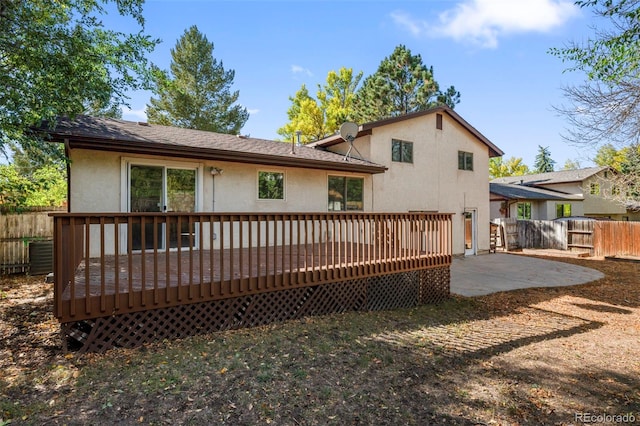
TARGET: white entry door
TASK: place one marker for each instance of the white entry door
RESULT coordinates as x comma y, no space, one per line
470,226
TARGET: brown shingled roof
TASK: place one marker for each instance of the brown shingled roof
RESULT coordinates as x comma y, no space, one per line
141,138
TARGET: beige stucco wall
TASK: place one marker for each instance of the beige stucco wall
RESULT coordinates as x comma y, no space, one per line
577,208
599,205
432,182
99,183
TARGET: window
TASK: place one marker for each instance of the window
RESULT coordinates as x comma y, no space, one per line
439,121
594,189
524,211
563,210
401,151
270,186
345,193
465,160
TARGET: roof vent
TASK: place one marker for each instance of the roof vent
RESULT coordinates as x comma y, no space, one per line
143,123
241,136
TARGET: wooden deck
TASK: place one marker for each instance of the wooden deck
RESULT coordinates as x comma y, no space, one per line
263,253
242,270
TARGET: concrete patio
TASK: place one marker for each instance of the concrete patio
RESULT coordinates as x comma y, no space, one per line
492,273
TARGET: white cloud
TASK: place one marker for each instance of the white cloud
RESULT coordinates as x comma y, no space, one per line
134,114
253,111
483,22
297,69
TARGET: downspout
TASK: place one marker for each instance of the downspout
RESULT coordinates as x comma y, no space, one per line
67,152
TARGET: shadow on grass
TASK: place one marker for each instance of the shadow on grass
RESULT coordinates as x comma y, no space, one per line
439,364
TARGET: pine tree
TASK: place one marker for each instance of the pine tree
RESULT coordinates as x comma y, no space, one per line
196,93
543,163
401,85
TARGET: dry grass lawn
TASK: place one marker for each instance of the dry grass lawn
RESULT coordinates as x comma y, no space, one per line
528,357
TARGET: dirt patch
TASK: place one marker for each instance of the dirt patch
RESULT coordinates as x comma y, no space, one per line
558,356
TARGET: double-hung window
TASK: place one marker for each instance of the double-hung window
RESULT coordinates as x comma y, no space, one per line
401,151
465,160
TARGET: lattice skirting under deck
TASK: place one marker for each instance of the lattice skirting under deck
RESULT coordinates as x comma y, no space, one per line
385,292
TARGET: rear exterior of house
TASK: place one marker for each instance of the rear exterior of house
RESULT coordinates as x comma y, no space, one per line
436,162
202,232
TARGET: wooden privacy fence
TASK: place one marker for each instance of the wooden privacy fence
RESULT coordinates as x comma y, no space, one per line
108,264
616,238
17,231
597,237
542,234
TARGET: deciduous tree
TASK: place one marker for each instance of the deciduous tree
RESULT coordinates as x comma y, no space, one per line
322,116
605,110
503,168
57,57
196,92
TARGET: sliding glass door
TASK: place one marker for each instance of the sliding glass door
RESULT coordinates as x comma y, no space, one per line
161,189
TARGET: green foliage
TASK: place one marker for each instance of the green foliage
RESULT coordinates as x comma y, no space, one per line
613,55
511,167
56,58
571,165
318,118
401,85
608,155
544,163
44,186
195,93
604,109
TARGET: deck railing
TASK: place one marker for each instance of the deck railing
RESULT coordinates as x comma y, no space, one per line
112,263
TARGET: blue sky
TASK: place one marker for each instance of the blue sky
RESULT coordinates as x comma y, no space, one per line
495,52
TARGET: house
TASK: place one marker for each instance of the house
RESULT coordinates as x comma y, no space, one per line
200,231
547,196
435,161
430,161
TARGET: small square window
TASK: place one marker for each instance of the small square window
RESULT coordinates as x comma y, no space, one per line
401,151
270,186
465,160
594,189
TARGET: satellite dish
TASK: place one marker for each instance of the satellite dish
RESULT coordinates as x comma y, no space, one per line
349,131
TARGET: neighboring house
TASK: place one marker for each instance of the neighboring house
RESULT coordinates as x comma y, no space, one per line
547,196
435,161
428,161
522,202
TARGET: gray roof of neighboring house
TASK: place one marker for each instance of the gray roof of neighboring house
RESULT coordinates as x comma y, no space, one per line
142,138
562,176
366,128
520,192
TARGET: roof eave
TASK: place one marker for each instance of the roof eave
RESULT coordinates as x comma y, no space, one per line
146,148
